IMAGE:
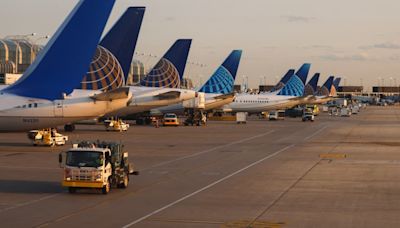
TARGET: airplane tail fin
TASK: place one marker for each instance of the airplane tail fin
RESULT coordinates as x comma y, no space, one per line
67,55
296,83
111,63
284,80
223,79
336,82
168,72
335,87
325,90
311,87
302,73
122,38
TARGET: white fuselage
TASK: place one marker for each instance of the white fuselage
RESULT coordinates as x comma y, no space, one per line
148,98
255,103
19,113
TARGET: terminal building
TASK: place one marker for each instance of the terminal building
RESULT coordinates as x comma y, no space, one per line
16,55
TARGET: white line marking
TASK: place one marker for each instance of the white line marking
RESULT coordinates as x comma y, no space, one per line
208,150
29,202
206,187
315,133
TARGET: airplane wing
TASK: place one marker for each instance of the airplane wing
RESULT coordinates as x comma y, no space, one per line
119,93
225,96
168,95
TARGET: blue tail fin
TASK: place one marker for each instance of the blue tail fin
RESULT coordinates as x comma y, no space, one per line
59,67
112,60
168,72
302,73
122,38
336,82
222,80
295,85
283,81
335,87
326,87
311,87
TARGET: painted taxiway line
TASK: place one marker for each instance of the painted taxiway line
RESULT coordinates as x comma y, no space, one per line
207,187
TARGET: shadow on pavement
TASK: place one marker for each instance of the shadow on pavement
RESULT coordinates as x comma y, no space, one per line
26,186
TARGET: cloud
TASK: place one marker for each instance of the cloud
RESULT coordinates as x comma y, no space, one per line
170,19
356,57
317,46
293,18
386,45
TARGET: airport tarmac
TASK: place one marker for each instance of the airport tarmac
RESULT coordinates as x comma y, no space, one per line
335,172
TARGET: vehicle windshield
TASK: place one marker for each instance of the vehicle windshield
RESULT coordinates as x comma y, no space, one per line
85,159
170,116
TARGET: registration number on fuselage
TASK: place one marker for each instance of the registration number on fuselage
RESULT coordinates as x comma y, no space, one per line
30,120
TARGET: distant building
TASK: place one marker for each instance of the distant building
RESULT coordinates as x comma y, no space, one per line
16,55
136,73
265,88
237,88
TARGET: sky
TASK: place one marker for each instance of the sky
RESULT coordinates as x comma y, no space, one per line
358,40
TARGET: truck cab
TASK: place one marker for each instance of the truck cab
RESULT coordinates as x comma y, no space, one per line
95,165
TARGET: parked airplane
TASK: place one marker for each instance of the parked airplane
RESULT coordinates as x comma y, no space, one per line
290,95
161,86
312,86
218,89
44,96
325,93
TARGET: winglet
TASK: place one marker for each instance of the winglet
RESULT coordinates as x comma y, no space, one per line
122,38
223,79
168,72
59,67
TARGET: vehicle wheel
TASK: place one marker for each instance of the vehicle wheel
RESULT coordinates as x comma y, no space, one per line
106,188
72,190
125,183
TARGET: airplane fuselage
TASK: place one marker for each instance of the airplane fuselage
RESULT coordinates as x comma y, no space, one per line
256,103
23,113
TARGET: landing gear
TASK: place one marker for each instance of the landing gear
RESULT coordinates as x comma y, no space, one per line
106,188
69,127
143,121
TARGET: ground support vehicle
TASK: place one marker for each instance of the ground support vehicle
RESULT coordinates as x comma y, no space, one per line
170,119
47,137
96,165
116,125
308,114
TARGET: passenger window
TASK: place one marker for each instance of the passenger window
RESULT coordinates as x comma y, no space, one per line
35,105
30,106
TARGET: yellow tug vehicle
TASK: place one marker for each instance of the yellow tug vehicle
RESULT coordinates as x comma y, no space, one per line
47,137
116,125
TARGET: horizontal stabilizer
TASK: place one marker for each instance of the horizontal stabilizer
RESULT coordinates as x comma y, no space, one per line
119,93
168,95
225,96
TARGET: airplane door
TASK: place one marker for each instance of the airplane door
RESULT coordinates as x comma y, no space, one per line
58,108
